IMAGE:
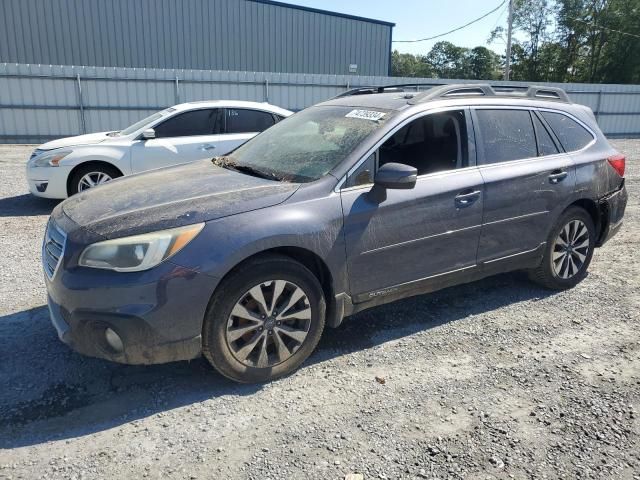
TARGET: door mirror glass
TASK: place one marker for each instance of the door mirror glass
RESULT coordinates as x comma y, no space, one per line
396,176
148,134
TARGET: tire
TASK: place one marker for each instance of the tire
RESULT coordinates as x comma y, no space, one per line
559,274
93,170
233,355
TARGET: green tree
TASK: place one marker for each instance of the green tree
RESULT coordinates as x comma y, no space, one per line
484,64
408,65
449,60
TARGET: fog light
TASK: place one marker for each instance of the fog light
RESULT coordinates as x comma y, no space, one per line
114,340
42,186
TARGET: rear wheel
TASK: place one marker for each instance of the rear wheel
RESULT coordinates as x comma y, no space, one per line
92,175
264,320
568,251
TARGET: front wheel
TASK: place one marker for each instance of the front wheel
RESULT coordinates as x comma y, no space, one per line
264,320
568,251
90,176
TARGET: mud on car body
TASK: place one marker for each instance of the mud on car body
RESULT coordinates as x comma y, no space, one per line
358,201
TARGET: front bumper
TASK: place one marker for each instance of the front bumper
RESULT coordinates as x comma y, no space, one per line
612,209
157,314
48,182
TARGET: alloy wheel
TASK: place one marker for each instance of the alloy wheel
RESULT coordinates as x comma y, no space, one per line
570,249
93,179
269,323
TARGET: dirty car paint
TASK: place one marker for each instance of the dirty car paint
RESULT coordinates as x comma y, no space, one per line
172,197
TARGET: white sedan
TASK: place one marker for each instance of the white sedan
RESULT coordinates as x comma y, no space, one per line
180,134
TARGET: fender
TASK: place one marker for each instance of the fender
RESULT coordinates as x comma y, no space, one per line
314,225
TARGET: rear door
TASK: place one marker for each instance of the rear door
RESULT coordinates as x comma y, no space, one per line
430,230
185,137
527,178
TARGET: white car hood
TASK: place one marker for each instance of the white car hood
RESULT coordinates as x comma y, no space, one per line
88,139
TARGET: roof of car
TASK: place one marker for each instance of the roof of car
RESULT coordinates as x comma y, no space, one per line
232,104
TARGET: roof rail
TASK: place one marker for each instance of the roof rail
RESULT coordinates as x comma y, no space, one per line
486,90
368,90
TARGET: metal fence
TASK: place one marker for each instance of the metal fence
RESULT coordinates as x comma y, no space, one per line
42,102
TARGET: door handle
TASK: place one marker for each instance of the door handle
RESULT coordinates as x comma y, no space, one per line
557,176
206,147
467,198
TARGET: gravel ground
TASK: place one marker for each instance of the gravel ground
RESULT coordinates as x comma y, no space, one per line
495,379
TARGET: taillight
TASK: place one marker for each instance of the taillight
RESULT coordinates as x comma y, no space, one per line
617,162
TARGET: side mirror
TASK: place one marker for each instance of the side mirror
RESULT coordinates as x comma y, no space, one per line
396,176
148,134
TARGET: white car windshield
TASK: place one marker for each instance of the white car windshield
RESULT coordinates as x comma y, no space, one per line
145,121
306,146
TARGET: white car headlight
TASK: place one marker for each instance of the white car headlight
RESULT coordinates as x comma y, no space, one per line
139,252
49,159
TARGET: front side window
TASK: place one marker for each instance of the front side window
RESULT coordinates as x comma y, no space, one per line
196,122
434,143
306,146
506,135
571,134
241,120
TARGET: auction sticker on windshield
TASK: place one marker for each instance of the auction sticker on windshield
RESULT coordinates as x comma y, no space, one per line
365,114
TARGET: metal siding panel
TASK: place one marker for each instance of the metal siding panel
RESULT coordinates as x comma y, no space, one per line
7,47
198,34
294,91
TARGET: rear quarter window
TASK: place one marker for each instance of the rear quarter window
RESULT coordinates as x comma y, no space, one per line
571,134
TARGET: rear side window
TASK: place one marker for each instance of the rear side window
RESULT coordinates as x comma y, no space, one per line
248,121
571,134
546,145
506,135
187,124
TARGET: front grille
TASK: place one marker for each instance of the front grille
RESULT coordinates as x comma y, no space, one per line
52,248
35,153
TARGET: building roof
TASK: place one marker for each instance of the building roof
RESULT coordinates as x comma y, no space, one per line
324,12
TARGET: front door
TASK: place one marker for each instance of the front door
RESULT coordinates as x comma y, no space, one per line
527,180
413,235
186,137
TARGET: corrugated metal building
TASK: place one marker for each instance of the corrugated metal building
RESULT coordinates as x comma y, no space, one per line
245,35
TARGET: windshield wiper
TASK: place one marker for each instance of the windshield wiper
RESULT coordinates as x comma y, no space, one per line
255,172
229,163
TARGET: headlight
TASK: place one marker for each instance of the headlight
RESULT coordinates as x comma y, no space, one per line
49,159
140,252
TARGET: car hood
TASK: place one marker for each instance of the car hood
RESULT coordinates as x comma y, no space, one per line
171,197
88,139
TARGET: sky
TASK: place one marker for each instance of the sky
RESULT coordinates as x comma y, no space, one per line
425,18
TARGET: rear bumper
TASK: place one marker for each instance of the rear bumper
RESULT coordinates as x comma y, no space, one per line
612,209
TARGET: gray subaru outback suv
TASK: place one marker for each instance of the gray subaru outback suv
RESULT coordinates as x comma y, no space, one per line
358,201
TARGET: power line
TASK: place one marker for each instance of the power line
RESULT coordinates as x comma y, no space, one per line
499,17
603,28
455,29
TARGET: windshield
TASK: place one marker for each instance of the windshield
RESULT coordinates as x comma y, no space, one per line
145,121
306,146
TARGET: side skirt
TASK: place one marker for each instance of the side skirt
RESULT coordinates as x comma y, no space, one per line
347,305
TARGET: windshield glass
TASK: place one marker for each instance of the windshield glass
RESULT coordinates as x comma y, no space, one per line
307,145
138,125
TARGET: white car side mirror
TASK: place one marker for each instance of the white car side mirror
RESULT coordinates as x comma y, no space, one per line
148,134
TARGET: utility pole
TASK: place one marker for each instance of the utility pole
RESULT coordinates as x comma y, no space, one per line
507,67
